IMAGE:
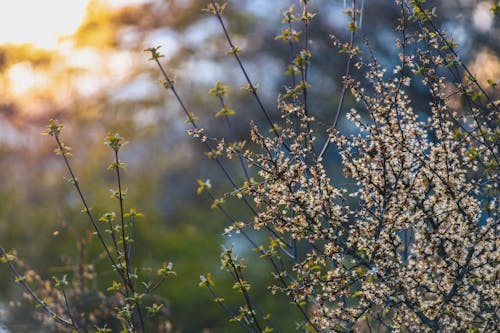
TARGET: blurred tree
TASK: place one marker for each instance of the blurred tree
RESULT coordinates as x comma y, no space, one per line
99,82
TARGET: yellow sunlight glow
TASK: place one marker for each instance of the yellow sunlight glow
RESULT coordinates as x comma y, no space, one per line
39,22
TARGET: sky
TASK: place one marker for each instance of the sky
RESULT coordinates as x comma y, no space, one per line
43,23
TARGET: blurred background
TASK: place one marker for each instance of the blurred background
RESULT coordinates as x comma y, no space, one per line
82,62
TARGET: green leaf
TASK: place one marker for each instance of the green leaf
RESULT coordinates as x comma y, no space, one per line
166,270
206,280
234,51
7,257
115,141
53,128
494,8
107,217
225,111
203,186
191,119
352,26
155,55
219,90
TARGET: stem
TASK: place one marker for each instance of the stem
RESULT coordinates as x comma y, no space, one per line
344,87
245,74
125,242
68,308
34,296
273,262
131,237
233,138
244,290
227,310
216,159
122,218
74,180
113,237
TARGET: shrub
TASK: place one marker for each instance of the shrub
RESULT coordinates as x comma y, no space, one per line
71,303
406,242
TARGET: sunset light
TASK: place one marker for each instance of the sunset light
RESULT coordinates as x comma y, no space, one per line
41,23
